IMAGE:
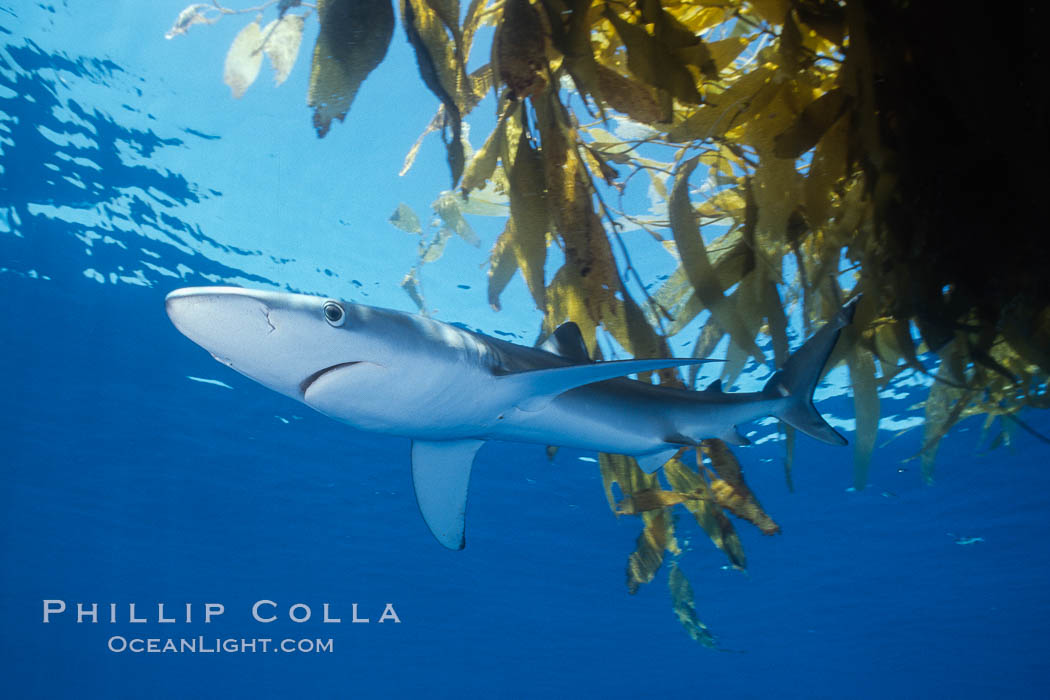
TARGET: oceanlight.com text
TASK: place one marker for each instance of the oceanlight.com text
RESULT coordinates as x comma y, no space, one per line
217,645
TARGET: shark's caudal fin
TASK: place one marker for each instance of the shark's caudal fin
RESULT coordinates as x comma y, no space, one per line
799,376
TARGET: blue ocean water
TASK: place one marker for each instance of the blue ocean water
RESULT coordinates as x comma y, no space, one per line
128,172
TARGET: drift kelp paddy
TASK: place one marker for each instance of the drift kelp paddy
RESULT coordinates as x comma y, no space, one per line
793,155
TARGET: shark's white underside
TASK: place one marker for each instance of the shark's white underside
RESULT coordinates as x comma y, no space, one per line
450,390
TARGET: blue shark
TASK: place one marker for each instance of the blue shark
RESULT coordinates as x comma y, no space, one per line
451,390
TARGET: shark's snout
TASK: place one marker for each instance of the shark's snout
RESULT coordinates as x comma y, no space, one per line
224,321
283,341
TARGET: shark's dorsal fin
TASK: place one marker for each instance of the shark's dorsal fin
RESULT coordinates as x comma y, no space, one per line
441,477
534,389
715,387
567,341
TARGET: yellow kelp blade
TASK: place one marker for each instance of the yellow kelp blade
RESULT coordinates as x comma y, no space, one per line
569,202
656,538
651,499
283,38
410,284
653,61
658,534
731,491
449,208
502,265
353,40
723,111
866,405
685,608
628,96
944,405
708,515
406,219
623,471
243,60
811,125
773,309
526,239
570,32
827,168
1028,333
439,70
519,49
483,164
625,321
698,265
731,259
566,301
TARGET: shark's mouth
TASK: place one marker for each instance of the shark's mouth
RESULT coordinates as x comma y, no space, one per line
305,384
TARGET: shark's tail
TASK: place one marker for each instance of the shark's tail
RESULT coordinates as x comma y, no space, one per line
799,376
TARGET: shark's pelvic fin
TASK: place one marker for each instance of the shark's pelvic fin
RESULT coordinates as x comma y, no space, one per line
441,477
799,377
654,460
733,436
567,341
538,387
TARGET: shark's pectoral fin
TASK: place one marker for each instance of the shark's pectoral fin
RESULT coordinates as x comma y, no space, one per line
441,476
654,460
535,389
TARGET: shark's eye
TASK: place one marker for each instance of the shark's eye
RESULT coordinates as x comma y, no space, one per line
333,313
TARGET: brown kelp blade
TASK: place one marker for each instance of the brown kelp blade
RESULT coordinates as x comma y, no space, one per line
731,491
